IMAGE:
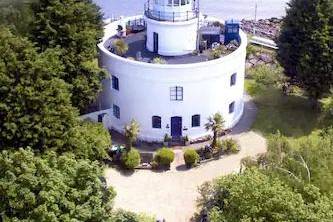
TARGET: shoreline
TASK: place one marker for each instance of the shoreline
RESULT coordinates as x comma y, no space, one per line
267,28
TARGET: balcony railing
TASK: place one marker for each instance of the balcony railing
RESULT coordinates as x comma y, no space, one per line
170,16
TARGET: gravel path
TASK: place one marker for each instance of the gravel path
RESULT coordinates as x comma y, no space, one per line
172,195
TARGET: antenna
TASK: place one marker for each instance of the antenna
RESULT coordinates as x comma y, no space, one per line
198,25
255,17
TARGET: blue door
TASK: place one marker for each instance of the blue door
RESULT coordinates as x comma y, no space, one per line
176,127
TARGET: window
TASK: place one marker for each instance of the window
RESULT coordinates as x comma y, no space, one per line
175,2
183,2
115,83
156,122
232,107
176,93
116,111
100,117
169,2
195,120
233,79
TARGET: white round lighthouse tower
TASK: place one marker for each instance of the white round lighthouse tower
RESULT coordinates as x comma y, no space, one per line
172,26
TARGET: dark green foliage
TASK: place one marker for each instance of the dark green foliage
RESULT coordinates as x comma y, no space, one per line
191,157
88,141
51,188
76,27
254,196
35,107
305,44
16,15
164,157
131,159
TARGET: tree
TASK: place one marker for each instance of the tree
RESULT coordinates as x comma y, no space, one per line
131,133
16,15
52,188
88,140
255,196
293,160
305,45
127,216
76,27
216,124
35,109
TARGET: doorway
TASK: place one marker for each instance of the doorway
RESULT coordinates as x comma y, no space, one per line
176,127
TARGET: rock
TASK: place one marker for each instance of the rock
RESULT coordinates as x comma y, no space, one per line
260,62
248,65
266,58
253,61
251,56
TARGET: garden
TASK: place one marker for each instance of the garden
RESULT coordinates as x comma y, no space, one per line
129,158
281,106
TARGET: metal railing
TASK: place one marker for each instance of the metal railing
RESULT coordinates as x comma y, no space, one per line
170,16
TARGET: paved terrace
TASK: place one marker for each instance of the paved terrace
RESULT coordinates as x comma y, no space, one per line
136,43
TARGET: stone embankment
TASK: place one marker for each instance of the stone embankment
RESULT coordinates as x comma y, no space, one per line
268,28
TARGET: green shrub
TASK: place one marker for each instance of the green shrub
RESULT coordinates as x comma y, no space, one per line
159,60
191,157
230,146
267,75
127,216
164,157
120,47
218,149
131,159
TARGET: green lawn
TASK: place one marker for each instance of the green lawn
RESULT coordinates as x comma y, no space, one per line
292,115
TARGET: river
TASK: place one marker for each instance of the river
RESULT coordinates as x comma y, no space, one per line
224,9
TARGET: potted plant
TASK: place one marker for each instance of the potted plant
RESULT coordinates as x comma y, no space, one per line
186,140
167,140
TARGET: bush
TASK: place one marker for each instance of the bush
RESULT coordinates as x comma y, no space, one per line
164,157
159,60
191,157
218,149
131,159
120,47
230,146
127,216
267,75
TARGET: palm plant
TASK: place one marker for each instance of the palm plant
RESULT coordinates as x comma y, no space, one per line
216,124
120,47
131,132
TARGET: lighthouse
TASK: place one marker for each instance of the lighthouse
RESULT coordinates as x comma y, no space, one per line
172,26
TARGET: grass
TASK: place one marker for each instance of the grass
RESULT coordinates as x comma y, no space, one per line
292,115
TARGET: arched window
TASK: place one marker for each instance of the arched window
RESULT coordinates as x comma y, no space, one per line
195,120
232,107
156,122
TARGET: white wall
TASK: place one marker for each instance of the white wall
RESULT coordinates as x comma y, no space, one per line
174,38
145,91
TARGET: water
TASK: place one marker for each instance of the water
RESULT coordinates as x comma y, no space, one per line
224,9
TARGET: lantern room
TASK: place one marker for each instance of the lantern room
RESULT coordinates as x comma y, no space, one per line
172,26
